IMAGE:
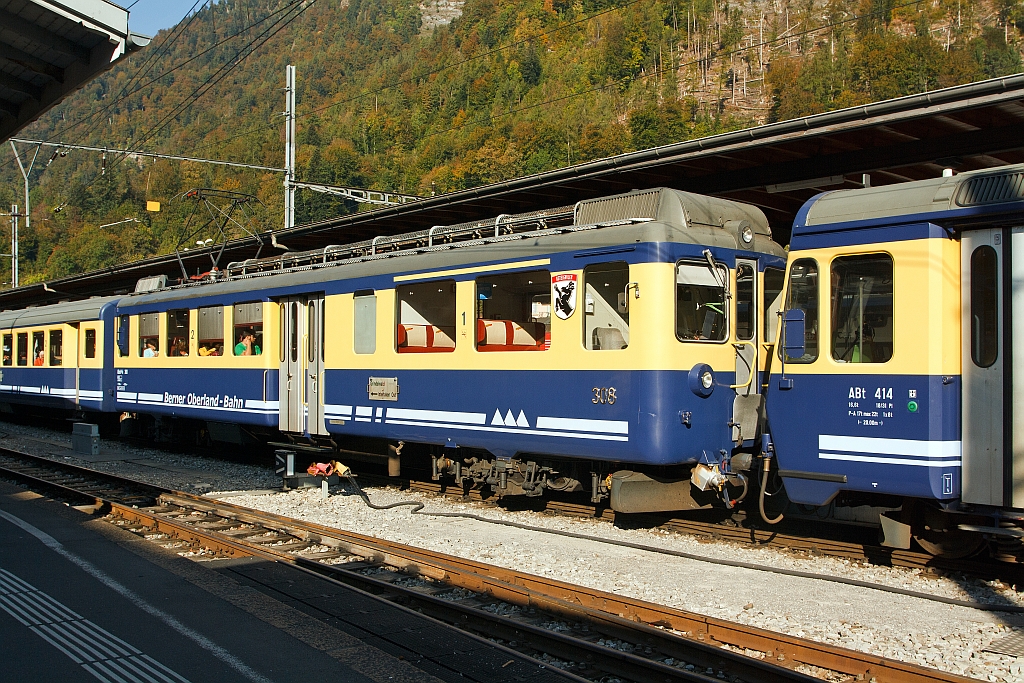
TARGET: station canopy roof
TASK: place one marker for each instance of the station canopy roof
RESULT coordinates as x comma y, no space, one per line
776,167
50,49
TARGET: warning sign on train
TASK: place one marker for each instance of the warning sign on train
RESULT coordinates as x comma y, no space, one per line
564,294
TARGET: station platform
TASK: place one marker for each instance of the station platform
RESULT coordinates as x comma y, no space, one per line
81,600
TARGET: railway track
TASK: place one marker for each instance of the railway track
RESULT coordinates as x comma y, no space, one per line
741,531
589,633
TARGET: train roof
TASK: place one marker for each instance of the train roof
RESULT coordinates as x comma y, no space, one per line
655,215
86,309
986,191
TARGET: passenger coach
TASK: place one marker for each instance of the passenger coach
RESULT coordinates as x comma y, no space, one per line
59,356
903,381
528,352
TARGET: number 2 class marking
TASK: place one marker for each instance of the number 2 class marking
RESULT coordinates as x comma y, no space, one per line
605,395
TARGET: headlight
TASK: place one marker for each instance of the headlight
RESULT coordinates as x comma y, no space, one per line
701,379
747,235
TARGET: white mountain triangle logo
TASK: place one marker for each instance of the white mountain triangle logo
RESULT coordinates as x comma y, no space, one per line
509,421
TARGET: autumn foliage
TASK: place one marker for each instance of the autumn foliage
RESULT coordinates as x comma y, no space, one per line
395,95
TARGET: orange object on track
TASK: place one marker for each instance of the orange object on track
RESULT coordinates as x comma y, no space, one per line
318,469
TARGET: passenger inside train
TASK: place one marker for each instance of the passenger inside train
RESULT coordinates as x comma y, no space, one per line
247,345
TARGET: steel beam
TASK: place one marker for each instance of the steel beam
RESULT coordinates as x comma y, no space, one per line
23,59
358,194
26,29
18,85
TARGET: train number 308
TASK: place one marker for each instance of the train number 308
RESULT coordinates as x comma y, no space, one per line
603,395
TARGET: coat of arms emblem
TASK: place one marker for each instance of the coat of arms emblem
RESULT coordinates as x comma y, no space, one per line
564,294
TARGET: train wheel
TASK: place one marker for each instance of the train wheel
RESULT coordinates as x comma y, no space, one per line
936,533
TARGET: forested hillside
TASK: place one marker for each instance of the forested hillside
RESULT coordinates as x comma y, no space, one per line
433,97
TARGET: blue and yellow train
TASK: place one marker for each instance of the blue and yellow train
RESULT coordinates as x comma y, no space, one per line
903,375
655,349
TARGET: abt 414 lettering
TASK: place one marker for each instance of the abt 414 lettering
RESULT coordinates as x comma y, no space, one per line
881,393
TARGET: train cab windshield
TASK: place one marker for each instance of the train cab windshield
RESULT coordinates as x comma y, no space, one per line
862,308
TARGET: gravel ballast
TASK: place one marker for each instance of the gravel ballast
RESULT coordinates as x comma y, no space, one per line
947,637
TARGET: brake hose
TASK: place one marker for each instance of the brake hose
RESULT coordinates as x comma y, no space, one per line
760,498
417,509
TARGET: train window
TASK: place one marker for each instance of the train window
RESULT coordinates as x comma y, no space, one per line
177,332
984,306
701,302
513,312
746,306
605,310
211,331
426,317
365,322
56,347
772,288
149,335
38,349
123,330
282,326
23,348
803,296
8,349
293,342
90,342
862,307
247,324
311,330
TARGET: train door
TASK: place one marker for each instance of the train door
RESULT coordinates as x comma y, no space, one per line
747,406
992,373
314,407
301,407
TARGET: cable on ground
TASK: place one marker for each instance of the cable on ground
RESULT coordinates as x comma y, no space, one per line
417,509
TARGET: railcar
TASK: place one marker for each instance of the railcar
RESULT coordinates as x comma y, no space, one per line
900,382
59,356
545,351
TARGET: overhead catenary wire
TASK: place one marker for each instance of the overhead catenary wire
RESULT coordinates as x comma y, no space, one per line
297,8
155,155
176,33
149,62
202,89
123,95
417,508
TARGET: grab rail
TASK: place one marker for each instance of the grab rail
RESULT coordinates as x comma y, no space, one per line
753,370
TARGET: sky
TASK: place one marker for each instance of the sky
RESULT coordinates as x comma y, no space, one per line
149,16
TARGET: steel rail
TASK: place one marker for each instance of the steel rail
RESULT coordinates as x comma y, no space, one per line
605,659
164,520
699,639
874,554
529,590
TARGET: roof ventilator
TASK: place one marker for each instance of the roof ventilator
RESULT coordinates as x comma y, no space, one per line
991,189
